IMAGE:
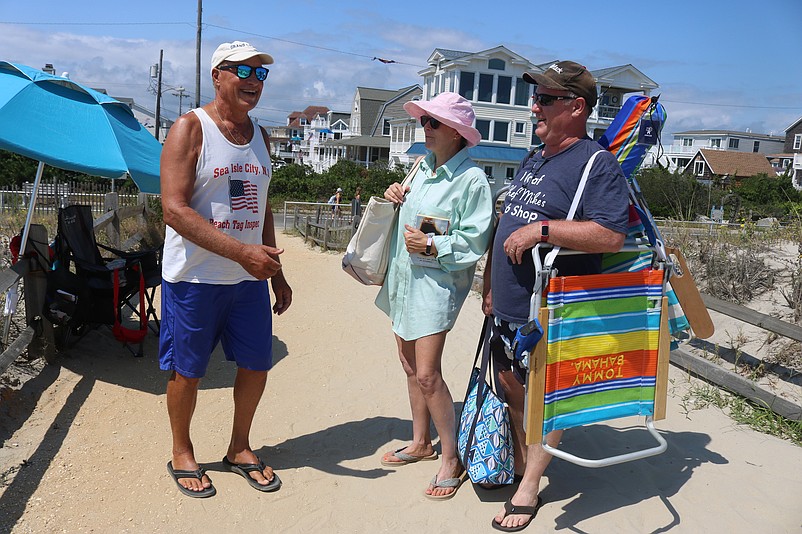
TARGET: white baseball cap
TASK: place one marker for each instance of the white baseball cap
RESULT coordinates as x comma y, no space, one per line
238,51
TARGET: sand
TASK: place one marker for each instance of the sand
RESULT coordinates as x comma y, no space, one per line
87,441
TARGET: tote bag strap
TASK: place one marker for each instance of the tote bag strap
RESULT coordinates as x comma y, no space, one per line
481,385
412,172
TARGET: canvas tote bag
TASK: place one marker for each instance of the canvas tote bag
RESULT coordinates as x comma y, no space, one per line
368,252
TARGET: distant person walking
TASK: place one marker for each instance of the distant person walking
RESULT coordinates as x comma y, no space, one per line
356,207
219,251
335,201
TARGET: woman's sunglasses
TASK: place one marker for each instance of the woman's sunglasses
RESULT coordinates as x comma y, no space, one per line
244,71
431,121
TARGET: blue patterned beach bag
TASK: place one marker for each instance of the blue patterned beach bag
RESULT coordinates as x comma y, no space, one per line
484,438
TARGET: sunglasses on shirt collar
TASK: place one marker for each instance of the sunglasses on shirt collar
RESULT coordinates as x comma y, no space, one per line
244,71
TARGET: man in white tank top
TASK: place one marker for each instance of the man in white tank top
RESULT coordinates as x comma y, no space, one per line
220,250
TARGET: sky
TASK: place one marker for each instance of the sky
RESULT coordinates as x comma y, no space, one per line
731,65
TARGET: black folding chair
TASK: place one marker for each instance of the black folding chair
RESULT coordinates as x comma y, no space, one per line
108,283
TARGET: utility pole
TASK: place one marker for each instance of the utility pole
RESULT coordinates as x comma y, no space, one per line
179,92
198,55
159,95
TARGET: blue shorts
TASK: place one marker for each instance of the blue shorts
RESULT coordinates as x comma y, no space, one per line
196,317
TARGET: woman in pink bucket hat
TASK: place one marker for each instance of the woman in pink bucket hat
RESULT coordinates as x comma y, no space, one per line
444,226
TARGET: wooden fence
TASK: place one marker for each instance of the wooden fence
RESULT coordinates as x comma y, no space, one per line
319,223
53,195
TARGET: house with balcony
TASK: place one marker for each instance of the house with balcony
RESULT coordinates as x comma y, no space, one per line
372,114
493,81
791,157
293,142
687,144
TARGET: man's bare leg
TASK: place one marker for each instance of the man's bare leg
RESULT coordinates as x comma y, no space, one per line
182,395
248,388
537,459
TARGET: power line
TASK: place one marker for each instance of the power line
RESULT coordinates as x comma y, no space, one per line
95,23
728,105
327,49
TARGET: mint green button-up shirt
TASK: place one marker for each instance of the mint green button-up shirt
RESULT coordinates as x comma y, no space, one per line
421,301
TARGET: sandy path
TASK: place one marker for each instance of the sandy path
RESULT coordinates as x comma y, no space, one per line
91,455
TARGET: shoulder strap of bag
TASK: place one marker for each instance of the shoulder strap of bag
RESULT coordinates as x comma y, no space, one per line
412,172
549,261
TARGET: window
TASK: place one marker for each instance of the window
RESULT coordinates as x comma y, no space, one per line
797,141
501,131
715,143
496,64
485,88
484,128
687,141
466,80
510,173
504,90
734,143
489,171
520,127
386,127
521,92
699,168
756,146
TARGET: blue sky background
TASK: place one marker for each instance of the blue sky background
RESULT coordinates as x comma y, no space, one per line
720,65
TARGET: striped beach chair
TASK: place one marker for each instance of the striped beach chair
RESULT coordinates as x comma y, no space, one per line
604,354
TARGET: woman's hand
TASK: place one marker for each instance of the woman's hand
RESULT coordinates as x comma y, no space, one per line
416,240
395,193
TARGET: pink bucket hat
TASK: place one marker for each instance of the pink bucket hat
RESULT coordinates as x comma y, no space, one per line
452,110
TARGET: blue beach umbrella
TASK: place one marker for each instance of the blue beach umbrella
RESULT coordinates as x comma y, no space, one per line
64,124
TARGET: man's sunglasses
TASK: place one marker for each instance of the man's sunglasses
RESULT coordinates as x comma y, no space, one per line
431,121
244,71
547,100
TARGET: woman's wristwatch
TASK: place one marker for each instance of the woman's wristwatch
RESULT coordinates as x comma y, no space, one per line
429,238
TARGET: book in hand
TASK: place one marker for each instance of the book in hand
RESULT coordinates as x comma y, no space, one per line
429,224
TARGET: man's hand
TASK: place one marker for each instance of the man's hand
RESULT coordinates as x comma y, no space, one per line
487,300
261,261
283,294
520,241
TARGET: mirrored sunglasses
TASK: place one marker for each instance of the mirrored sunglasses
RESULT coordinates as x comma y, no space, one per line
431,121
244,71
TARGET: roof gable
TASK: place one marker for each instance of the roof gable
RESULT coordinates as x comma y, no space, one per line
736,164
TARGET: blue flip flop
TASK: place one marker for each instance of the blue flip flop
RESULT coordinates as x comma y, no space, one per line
198,473
244,469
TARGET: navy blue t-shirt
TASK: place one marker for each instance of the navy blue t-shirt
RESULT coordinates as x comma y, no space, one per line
543,189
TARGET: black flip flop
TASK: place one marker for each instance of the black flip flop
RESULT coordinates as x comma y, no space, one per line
244,469
510,509
198,473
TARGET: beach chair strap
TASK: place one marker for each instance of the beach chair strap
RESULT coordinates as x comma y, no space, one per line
574,205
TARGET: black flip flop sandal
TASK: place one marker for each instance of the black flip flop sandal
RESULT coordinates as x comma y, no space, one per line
244,469
198,473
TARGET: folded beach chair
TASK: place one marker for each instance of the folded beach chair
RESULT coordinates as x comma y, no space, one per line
604,353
